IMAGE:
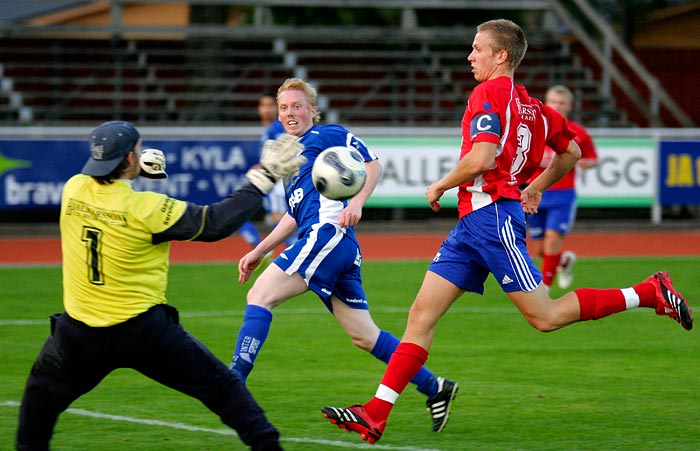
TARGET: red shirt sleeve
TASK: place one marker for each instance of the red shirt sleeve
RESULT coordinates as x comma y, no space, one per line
559,134
584,141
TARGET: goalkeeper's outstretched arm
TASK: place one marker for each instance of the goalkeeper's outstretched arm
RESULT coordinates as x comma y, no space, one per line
280,158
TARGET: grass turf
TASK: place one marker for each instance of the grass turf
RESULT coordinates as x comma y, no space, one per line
628,382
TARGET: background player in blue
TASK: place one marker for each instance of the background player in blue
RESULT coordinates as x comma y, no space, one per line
326,257
275,202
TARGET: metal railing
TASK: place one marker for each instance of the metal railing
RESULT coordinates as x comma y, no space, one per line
408,30
603,55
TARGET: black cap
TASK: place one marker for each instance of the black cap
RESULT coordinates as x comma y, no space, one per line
109,144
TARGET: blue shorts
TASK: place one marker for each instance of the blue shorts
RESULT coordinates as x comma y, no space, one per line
330,263
488,240
556,211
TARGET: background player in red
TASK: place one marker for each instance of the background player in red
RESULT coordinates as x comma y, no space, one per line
557,210
501,127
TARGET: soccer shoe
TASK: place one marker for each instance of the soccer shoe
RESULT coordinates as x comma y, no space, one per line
439,405
670,302
565,274
356,419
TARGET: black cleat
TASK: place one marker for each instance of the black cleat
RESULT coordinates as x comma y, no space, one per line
439,405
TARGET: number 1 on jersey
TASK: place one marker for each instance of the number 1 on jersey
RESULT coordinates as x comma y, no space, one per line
92,238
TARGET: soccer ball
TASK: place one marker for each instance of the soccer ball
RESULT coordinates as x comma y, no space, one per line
339,172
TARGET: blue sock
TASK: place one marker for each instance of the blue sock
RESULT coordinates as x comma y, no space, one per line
249,233
425,380
251,337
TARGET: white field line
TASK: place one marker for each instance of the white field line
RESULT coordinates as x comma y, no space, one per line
281,311
221,431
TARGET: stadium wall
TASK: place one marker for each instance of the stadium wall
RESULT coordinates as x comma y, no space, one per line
639,168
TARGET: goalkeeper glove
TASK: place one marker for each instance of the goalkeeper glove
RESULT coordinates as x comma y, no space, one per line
279,158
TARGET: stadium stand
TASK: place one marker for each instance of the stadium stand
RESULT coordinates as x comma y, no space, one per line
144,81
213,74
160,82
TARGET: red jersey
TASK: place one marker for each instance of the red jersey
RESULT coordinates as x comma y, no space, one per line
585,142
503,113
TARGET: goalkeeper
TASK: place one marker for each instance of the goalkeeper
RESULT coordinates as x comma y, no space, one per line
115,244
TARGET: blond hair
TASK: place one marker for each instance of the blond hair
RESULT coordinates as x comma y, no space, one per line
506,35
561,89
297,84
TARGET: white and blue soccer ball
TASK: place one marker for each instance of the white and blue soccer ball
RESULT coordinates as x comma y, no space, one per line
339,172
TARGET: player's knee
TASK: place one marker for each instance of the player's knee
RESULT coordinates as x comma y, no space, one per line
421,320
252,297
259,297
544,323
364,343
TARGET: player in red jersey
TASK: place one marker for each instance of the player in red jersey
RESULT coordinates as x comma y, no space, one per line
501,129
557,210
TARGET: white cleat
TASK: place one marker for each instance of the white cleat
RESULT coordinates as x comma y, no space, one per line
565,274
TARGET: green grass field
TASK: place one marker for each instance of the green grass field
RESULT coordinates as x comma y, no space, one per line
629,382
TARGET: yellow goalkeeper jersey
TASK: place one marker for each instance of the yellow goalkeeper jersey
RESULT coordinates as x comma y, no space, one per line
111,269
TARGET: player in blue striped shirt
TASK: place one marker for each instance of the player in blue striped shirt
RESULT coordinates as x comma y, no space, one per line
326,257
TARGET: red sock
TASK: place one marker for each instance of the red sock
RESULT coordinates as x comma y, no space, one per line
404,364
596,304
549,268
647,294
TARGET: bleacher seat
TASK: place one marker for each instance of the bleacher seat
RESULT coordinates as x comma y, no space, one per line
218,82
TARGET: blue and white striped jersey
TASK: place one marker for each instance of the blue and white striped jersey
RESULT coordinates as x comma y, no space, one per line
306,205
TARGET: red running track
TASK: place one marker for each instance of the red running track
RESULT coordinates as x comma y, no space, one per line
401,246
